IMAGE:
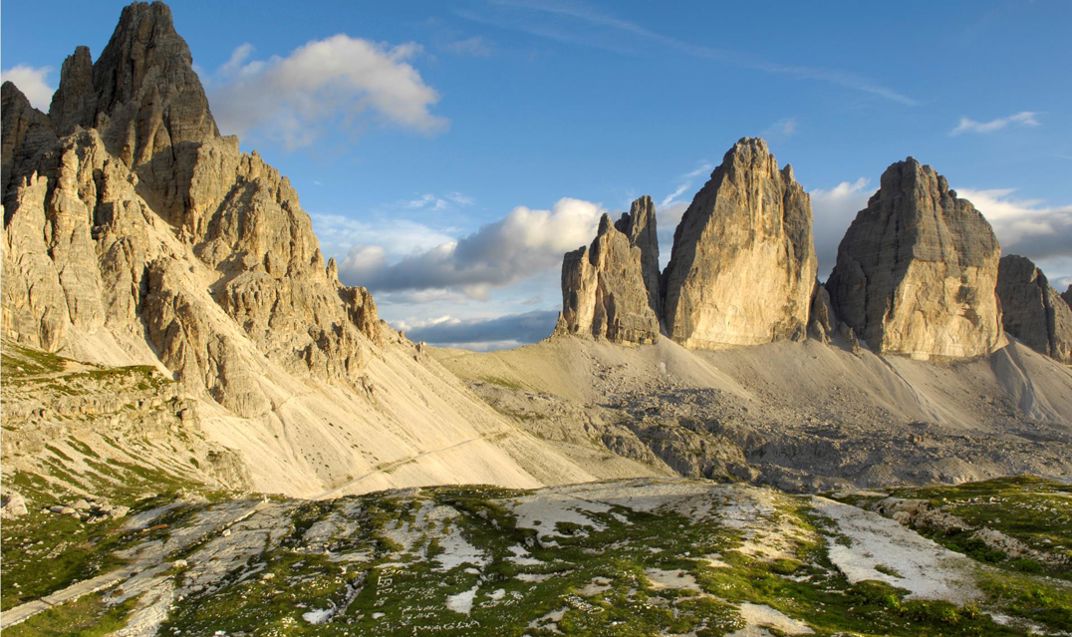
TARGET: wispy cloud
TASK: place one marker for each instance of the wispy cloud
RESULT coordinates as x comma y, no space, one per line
475,46
438,203
685,184
968,125
332,82
593,18
31,81
782,129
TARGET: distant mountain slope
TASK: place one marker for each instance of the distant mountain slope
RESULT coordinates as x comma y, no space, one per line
798,415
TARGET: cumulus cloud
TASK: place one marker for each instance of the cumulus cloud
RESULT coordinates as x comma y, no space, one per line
31,81
833,210
1028,227
337,80
484,333
524,243
968,125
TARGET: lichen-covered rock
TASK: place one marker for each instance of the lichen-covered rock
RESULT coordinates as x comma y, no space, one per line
917,270
1032,311
743,266
610,289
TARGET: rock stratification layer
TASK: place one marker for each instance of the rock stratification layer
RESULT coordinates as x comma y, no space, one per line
743,266
917,270
1032,310
611,288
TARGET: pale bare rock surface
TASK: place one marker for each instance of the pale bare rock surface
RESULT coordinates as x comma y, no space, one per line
611,288
881,549
743,264
134,234
1032,310
917,269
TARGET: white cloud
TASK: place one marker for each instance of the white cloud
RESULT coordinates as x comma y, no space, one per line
430,201
340,235
685,184
322,84
783,128
523,244
833,210
968,125
475,46
1028,227
31,81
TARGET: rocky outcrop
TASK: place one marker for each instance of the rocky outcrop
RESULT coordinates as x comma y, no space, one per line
821,321
743,266
1067,296
140,229
26,131
1032,311
610,289
917,270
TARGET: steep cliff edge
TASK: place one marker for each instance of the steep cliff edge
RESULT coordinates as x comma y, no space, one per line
917,269
743,265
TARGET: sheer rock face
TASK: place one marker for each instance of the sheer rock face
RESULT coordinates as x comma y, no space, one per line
140,232
917,270
1067,296
743,266
610,289
26,131
1033,311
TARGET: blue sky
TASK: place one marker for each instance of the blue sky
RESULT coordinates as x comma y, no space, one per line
449,153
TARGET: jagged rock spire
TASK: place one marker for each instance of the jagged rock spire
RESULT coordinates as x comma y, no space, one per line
610,289
742,270
917,269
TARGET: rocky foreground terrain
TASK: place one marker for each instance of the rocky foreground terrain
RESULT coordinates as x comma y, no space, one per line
636,557
206,432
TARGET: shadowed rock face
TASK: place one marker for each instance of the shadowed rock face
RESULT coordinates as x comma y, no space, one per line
743,266
917,270
1033,311
610,289
132,224
1067,296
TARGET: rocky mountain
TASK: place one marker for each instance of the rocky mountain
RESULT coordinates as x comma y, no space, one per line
611,288
743,265
135,234
1067,295
917,269
1032,310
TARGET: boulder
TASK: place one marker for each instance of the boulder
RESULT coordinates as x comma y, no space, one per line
743,266
1032,311
610,289
917,270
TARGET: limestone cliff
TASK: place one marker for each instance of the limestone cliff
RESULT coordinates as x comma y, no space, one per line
1032,311
917,270
610,289
743,265
134,234
138,180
